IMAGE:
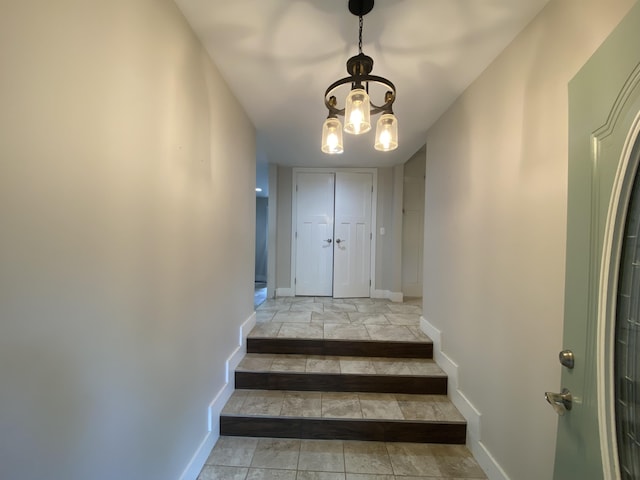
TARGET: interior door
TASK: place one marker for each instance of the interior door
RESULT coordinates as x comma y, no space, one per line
314,234
604,101
352,244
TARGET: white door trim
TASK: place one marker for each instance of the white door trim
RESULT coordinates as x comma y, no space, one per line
374,205
610,265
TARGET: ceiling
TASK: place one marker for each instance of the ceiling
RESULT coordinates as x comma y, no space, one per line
279,56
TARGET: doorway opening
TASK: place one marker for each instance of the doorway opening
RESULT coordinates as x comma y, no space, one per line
333,220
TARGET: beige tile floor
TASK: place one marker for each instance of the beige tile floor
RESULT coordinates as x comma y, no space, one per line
264,362
345,319
343,405
243,458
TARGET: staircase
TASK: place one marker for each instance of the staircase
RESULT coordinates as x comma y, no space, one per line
341,369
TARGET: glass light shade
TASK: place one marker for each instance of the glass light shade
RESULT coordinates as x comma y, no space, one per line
357,115
332,136
387,133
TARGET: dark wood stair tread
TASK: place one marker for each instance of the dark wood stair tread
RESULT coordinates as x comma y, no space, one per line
453,433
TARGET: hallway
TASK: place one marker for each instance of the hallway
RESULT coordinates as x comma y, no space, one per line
411,400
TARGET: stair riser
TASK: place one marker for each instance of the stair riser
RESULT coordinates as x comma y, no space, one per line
379,431
354,348
341,383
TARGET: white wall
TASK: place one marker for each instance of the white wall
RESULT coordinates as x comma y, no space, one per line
127,174
496,186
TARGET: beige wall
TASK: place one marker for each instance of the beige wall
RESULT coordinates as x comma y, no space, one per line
495,224
413,223
384,243
283,235
126,263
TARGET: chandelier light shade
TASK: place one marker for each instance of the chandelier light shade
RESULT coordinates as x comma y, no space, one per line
358,105
387,133
357,112
332,136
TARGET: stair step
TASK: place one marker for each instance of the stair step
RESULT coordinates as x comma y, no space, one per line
341,370
342,374
357,348
340,415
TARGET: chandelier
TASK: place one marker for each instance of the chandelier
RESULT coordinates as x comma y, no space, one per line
358,106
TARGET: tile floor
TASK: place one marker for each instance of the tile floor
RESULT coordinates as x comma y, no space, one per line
243,458
265,362
345,319
343,405
246,458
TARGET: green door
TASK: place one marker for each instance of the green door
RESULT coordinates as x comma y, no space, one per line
604,103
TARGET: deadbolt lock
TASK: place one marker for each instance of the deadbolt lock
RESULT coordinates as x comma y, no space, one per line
567,359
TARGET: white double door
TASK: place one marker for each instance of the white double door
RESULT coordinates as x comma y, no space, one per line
332,234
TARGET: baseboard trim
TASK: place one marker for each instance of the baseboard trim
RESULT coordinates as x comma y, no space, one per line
474,418
216,405
197,461
285,292
389,295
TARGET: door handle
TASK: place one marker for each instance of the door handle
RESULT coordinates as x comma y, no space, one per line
338,240
328,240
561,402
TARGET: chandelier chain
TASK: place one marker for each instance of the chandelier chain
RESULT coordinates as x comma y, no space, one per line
360,36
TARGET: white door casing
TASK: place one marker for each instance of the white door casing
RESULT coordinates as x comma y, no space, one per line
314,234
353,236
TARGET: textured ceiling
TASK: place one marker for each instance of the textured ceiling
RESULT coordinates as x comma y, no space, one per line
279,56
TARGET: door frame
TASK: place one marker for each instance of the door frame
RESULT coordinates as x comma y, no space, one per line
294,212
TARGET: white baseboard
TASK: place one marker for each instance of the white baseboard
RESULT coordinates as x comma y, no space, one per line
393,296
285,292
474,418
196,463
202,453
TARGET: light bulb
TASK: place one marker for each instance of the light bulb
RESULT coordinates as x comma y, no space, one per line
385,139
332,141
356,117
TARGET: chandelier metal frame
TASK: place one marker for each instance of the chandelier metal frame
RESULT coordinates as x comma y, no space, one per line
359,68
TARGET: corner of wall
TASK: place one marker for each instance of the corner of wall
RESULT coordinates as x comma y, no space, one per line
474,418
285,292
387,294
216,405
